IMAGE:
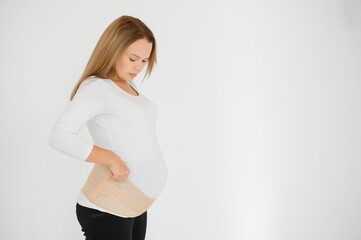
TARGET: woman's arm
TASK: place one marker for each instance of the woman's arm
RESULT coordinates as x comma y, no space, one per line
91,99
101,156
117,167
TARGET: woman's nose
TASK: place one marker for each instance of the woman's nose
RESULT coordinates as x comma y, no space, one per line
138,67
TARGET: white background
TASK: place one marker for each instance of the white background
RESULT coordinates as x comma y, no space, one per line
259,116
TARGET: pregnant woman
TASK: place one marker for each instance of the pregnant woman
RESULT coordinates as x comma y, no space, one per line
129,171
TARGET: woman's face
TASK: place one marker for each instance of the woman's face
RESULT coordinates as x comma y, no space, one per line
133,60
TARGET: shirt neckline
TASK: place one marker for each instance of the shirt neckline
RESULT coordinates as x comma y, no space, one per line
125,92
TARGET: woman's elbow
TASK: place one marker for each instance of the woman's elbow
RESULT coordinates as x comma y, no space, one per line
54,139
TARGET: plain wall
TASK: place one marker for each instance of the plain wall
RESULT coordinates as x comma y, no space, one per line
259,116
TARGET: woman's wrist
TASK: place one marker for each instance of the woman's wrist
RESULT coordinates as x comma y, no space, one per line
102,156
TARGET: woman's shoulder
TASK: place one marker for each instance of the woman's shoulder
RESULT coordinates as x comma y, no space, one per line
95,81
93,86
94,91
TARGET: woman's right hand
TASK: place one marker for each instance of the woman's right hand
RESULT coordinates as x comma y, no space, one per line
118,170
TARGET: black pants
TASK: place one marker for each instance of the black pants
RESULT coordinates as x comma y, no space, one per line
98,225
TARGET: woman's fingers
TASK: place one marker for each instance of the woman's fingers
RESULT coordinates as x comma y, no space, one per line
119,177
119,170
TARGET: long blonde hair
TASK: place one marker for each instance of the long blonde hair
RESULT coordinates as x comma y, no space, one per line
122,32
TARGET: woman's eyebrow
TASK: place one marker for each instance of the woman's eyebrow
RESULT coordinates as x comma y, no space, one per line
136,55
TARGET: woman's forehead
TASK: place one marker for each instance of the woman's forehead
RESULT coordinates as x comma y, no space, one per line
140,48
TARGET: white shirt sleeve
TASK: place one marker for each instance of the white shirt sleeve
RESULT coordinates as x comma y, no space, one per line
90,100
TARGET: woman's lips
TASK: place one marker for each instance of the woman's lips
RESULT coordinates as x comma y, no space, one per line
132,74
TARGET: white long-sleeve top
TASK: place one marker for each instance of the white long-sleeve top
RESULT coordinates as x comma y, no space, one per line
117,121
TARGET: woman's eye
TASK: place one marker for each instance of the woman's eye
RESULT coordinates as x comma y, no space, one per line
134,60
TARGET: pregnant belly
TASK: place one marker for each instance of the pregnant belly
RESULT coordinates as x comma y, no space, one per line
149,176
